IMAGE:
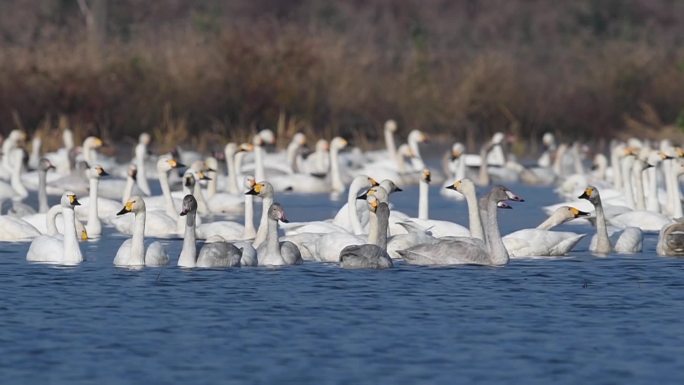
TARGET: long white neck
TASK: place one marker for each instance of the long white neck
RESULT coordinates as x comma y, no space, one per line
617,170
7,147
627,181
138,240
652,203
484,173
497,251
552,221
640,200
89,154
391,146
16,182
272,241
250,231
266,202
460,168
42,192
94,227
128,190
72,251
34,158
201,202
211,184
292,155
140,156
373,232
188,255
170,208
667,167
416,160
676,195
475,222
259,173
51,219
232,173
423,202
336,179
351,207
603,242
577,160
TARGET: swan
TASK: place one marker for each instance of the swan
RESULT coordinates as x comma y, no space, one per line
317,163
44,165
165,201
16,229
467,188
349,219
14,141
265,191
540,241
131,181
462,250
62,158
132,252
141,155
93,208
48,223
372,255
627,241
456,168
212,254
272,252
34,156
671,240
63,250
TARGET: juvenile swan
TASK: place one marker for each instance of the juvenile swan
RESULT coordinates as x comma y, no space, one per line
272,252
372,255
627,241
461,250
132,252
63,250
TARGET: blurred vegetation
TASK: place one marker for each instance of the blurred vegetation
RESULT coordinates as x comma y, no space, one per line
580,68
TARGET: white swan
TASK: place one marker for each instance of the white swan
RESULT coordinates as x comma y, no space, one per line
372,255
16,229
349,219
15,190
265,191
220,202
50,224
540,241
627,241
132,252
141,156
93,207
63,250
272,252
462,250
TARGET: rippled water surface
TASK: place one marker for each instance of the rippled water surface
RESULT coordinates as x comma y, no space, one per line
579,319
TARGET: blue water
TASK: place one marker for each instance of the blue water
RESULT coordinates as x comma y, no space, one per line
579,319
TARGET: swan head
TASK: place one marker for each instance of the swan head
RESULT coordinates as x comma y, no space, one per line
132,172
277,213
267,136
261,189
566,213
498,138
591,194
502,194
457,150
93,142
45,165
389,186
373,202
462,186
134,205
189,179
548,139
417,136
165,164
299,138
211,163
322,145
249,182
426,176
96,172
69,200
189,205
391,126
338,143
231,149
144,138
16,136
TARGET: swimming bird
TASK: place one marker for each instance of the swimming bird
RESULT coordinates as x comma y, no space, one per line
63,250
132,252
372,255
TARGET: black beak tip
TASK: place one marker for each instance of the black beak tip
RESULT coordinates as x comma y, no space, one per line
450,187
362,196
398,189
284,220
122,212
76,203
251,192
183,213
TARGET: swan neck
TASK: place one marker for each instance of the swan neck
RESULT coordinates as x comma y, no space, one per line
249,232
166,191
51,219
423,203
141,153
272,244
391,146
474,220
211,184
497,250
617,171
42,192
603,242
351,207
72,251
484,173
16,182
292,155
232,174
259,172
373,233
336,179
94,226
652,203
266,202
676,195
627,182
188,255
128,190
138,240
637,175
551,222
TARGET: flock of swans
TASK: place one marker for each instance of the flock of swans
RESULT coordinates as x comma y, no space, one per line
632,190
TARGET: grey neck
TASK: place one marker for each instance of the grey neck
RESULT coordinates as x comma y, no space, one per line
188,255
42,192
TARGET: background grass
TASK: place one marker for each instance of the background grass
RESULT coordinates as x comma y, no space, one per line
206,71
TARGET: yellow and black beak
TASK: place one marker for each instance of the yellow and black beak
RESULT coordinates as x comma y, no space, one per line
363,196
586,194
578,213
128,207
255,190
373,182
203,176
73,200
102,172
